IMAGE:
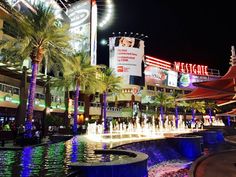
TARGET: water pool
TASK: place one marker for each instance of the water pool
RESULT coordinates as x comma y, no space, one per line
53,159
50,160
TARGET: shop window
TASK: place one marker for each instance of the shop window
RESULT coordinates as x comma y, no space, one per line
39,96
149,87
8,89
81,103
169,90
178,91
159,89
16,91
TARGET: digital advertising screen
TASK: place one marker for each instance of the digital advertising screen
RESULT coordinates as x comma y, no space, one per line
156,76
187,80
172,78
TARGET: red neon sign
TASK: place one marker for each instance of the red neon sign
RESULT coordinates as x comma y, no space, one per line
190,68
157,62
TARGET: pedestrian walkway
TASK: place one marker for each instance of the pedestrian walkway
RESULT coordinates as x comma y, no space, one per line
221,164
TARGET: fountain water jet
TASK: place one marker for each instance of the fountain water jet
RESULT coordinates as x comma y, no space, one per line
136,131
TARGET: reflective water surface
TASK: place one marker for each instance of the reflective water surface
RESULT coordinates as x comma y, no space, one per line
50,160
53,159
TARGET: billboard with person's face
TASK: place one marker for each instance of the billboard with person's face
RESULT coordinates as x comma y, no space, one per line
126,55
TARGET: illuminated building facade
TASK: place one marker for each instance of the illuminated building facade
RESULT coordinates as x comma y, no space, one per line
129,62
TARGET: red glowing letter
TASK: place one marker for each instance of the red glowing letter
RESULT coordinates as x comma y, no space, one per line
182,68
186,66
199,69
191,68
177,65
206,72
194,69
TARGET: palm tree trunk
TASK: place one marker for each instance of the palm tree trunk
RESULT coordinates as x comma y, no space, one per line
76,99
105,111
66,102
185,118
176,116
193,115
32,89
210,114
116,101
228,120
162,115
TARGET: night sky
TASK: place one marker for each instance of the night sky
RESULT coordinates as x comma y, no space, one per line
200,32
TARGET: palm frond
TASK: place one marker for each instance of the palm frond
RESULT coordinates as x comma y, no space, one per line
37,29
79,70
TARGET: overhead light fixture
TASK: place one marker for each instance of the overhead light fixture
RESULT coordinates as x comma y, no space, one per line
108,13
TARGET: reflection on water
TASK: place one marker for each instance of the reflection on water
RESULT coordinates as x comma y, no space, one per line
26,161
51,160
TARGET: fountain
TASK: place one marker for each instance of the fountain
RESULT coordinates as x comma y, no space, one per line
137,131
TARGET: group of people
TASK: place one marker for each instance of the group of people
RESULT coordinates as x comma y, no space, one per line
17,133
8,126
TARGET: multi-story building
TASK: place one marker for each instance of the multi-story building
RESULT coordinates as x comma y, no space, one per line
148,76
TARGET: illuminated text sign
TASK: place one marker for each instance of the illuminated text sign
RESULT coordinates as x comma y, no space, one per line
190,68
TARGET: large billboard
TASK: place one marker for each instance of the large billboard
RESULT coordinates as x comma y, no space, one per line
83,27
126,55
155,75
93,42
186,80
79,14
162,77
172,78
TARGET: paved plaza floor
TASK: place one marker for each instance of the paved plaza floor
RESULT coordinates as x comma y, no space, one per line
221,164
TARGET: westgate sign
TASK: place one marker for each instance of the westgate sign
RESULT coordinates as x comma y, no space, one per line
191,68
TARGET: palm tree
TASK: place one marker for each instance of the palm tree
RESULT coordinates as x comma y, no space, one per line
37,36
211,105
110,84
82,76
162,100
185,107
63,85
175,104
196,106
